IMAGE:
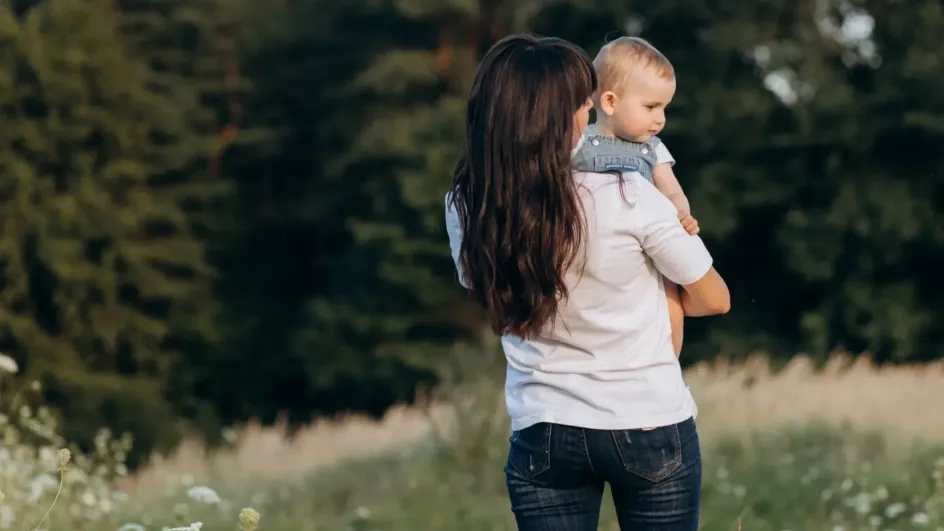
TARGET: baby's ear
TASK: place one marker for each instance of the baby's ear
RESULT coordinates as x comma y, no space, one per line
608,102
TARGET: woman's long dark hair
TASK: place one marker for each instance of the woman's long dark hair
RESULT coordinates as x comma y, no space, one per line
513,186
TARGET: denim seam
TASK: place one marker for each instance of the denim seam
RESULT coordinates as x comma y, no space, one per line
586,449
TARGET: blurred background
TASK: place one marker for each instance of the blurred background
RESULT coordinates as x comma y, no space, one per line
222,215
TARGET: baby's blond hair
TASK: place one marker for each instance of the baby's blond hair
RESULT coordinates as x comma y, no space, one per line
618,59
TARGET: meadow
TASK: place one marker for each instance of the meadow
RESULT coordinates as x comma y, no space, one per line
843,447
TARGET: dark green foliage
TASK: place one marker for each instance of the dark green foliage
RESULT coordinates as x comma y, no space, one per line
123,124
340,292
100,267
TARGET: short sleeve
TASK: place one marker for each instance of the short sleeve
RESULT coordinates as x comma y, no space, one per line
679,256
662,154
454,231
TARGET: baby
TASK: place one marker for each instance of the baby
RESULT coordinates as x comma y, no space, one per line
637,83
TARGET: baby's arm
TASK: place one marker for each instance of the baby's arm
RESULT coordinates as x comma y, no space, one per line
666,182
664,179
676,314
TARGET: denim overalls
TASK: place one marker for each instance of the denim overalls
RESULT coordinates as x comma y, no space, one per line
601,154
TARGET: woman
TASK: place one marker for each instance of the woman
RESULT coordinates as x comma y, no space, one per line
568,267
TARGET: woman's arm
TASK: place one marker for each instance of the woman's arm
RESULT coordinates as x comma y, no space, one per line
708,295
679,256
676,314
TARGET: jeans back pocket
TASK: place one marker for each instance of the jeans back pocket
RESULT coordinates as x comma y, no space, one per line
529,452
651,454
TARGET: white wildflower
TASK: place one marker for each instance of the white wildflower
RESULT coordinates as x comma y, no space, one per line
88,499
47,454
203,495
895,509
881,493
41,485
861,502
196,526
131,527
8,364
229,435
920,519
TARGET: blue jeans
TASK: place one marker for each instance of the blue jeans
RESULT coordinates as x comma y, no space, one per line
555,476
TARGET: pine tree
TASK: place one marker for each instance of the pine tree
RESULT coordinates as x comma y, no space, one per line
803,134
100,263
811,182
395,305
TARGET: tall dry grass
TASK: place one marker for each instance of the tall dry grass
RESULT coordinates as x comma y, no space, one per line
901,401
731,398
267,452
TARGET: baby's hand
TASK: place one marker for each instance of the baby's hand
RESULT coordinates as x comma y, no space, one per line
689,223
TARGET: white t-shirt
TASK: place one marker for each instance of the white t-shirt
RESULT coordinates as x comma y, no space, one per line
606,361
663,155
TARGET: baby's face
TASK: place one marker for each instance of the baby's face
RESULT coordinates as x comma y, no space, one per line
639,111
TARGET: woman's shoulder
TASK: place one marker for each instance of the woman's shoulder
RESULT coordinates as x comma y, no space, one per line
628,187
629,200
